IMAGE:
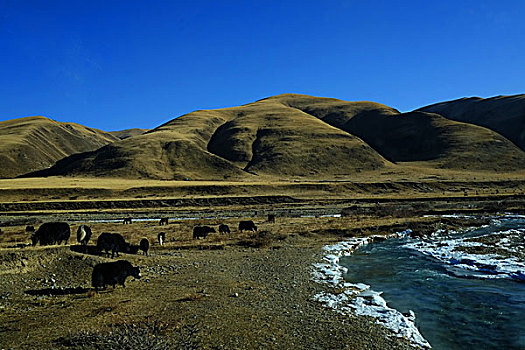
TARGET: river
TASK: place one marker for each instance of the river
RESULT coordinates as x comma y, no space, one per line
467,289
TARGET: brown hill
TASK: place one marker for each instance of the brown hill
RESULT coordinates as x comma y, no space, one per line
264,138
439,142
34,143
124,134
415,137
503,114
296,136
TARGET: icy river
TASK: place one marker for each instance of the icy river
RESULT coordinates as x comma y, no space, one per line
454,290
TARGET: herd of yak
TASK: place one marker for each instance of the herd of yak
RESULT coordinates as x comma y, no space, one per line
113,273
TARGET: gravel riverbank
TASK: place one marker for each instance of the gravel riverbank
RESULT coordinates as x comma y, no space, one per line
242,291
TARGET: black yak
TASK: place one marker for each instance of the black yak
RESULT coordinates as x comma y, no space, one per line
223,228
52,233
113,242
133,249
112,273
202,231
144,246
247,226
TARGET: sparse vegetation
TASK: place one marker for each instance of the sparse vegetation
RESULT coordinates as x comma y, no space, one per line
260,239
149,334
35,143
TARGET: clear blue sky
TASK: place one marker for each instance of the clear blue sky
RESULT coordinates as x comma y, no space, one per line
120,64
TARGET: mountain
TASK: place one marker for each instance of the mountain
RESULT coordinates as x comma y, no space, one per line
124,134
33,143
503,114
261,138
294,135
426,138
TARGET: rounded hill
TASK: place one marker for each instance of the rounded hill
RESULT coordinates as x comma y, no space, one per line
503,114
34,143
296,136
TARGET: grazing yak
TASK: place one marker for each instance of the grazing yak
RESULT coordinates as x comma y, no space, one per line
161,237
163,221
30,228
144,246
52,233
247,225
271,218
113,242
113,273
83,234
126,221
202,231
223,228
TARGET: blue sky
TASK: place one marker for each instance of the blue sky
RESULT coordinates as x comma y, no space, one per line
114,65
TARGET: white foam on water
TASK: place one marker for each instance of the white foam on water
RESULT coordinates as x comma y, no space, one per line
487,266
358,298
513,216
451,216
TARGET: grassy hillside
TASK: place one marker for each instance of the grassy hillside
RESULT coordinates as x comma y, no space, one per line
503,114
34,143
429,139
437,141
269,137
291,136
264,138
124,134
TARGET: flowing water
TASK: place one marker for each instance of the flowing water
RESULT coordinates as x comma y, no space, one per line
467,289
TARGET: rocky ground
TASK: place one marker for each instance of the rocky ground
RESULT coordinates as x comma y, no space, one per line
240,291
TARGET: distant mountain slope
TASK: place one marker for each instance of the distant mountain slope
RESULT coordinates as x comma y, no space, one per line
124,134
416,136
442,143
264,138
33,143
503,114
296,136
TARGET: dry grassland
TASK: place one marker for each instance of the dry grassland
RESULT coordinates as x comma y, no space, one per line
238,291
243,290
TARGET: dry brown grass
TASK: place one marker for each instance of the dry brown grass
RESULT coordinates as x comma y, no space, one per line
404,181
502,114
124,134
290,137
34,143
240,290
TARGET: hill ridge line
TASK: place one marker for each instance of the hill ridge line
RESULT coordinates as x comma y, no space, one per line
284,137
